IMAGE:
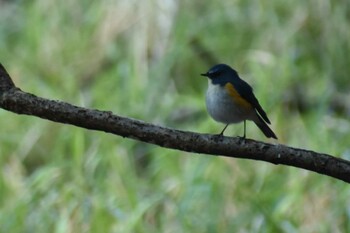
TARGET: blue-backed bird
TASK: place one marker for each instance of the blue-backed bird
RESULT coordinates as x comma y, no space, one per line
230,99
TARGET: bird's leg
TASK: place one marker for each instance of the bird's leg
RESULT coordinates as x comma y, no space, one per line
244,129
222,132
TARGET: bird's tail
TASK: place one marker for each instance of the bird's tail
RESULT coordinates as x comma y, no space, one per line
264,128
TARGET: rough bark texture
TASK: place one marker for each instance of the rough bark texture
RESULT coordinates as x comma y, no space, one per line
17,101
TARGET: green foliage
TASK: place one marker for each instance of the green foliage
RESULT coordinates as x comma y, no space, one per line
138,59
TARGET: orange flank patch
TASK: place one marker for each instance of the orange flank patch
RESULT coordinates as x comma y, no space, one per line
236,96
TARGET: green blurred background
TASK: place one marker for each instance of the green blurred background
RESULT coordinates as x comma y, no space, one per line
142,59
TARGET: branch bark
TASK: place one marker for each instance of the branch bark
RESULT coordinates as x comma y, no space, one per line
17,101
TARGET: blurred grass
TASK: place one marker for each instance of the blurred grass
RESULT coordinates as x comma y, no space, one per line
137,59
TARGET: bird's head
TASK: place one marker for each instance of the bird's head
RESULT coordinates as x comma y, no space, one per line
220,74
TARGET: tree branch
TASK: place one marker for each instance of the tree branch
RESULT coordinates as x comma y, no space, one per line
17,101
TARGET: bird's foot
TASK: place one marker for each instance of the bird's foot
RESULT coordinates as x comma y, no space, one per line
220,134
242,139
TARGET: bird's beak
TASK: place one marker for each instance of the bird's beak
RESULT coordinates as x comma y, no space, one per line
205,74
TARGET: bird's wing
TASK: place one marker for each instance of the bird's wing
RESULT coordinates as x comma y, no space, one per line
246,92
237,97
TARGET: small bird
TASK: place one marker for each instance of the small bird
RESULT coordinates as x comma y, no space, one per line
230,99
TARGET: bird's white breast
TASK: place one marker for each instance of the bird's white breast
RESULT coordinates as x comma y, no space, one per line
223,108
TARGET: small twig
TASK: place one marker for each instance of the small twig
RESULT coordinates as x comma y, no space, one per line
17,101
